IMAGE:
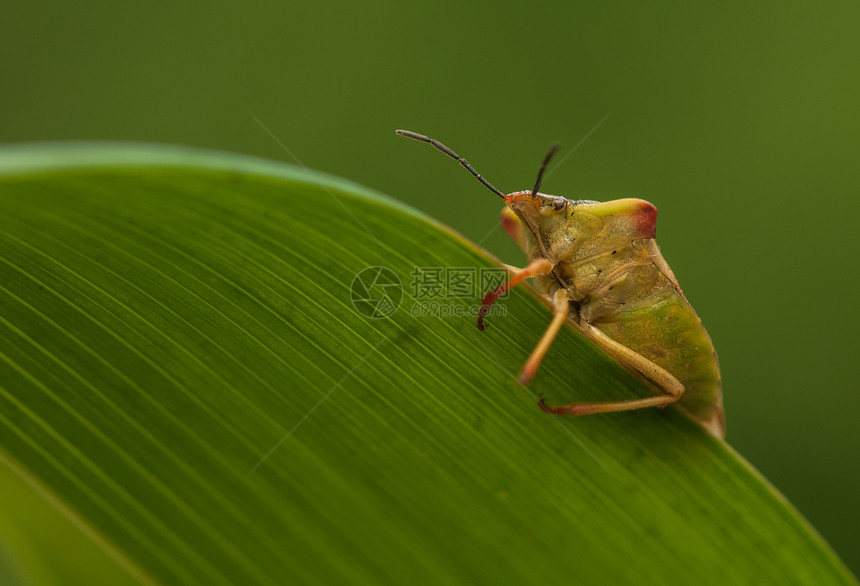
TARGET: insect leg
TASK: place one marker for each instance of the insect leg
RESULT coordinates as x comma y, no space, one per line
588,408
663,379
513,226
539,266
561,307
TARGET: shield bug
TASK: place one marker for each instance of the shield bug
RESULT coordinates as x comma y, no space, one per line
600,267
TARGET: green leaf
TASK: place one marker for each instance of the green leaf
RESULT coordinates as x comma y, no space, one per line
184,375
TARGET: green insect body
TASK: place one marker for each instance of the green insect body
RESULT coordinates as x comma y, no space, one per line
606,258
600,266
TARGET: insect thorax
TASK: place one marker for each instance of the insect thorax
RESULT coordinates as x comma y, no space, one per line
604,255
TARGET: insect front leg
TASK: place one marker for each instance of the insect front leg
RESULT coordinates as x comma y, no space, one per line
513,226
664,380
539,266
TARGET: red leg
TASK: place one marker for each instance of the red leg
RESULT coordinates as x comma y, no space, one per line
539,266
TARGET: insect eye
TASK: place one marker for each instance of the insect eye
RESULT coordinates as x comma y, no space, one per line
559,204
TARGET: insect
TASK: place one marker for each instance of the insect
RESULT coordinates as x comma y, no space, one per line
599,265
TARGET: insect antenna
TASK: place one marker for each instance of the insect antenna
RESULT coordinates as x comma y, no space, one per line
453,155
546,159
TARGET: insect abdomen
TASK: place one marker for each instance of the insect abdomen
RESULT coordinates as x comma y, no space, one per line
669,333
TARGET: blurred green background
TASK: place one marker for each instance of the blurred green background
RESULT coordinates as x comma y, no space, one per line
740,121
